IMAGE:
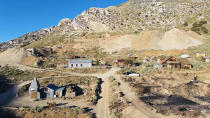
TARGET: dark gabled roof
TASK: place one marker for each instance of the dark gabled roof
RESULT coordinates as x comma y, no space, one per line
120,60
181,60
52,86
166,59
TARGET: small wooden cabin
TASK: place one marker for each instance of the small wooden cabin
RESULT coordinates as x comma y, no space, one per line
185,64
200,54
205,59
172,62
120,63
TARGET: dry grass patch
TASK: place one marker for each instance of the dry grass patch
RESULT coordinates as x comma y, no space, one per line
38,112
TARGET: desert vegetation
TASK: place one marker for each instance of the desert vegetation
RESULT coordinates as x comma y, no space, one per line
199,27
42,112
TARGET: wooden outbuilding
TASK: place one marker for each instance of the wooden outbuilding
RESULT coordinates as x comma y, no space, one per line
120,63
200,54
185,64
173,62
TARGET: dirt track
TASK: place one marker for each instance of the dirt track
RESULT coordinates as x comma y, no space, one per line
131,96
102,108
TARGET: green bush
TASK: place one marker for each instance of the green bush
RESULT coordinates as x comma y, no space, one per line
75,110
195,24
148,70
12,72
196,29
199,28
23,90
204,30
203,22
185,24
114,113
36,109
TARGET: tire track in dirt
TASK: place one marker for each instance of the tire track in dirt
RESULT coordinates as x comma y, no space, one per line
102,108
131,96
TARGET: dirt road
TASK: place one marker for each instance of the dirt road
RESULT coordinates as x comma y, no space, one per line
102,107
131,96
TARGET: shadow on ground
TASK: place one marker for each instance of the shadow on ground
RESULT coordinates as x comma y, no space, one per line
7,91
5,113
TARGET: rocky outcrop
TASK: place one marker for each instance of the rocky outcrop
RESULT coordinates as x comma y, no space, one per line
131,16
138,15
27,38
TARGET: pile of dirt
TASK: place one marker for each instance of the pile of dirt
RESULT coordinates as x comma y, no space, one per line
178,39
12,56
30,60
174,39
117,43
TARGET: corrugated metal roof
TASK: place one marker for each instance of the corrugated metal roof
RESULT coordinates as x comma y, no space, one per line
34,84
62,88
80,61
52,86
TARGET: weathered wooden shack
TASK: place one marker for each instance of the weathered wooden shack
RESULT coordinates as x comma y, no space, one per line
120,63
185,64
200,54
172,62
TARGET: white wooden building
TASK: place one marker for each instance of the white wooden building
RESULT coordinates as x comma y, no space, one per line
80,63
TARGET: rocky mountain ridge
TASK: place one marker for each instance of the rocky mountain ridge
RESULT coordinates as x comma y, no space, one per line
131,16
27,38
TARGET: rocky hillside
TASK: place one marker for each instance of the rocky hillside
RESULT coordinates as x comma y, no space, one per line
131,16
138,15
27,38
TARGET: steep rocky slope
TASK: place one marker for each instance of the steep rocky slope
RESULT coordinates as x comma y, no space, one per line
27,38
138,15
12,56
131,16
